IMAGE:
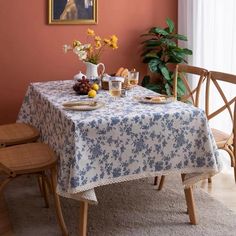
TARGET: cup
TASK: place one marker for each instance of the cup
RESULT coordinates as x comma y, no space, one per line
115,88
133,77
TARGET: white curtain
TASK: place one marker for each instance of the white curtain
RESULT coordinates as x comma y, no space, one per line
210,26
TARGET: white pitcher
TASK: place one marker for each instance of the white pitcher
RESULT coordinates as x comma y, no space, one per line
92,69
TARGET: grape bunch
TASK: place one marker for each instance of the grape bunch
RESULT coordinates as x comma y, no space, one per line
82,87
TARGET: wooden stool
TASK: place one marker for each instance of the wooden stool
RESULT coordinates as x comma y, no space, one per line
17,133
31,158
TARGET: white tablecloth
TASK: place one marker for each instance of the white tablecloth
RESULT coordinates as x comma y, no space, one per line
124,140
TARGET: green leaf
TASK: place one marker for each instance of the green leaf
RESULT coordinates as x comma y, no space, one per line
180,87
158,30
170,24
176,57
187,51
150,56
153,65
164,71
178,36
168,42
152,42
168,89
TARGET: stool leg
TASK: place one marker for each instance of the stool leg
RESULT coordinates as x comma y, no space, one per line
45,191
83,220
57,202
161,182
40,184
155,180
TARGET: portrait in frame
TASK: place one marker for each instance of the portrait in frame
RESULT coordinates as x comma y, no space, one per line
73,11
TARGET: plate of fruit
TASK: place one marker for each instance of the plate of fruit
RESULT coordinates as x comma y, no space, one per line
83,87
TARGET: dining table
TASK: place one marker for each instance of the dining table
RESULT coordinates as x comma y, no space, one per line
125,138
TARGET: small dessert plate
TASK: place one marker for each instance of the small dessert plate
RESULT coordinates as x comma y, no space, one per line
154,99
83,105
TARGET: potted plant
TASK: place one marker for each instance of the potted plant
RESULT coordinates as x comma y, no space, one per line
160,49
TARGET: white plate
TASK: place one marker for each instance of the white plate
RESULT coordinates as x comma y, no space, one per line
83,105
148,99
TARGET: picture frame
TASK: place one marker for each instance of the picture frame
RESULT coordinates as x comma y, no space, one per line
73,12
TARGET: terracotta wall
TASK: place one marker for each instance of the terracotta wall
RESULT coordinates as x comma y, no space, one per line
31,50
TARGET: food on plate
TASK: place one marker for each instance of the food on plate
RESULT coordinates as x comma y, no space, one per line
158,99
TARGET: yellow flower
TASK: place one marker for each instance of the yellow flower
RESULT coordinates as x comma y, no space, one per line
97,38
114,39
107,41
98,44
92,50
76,43
114,45
90,32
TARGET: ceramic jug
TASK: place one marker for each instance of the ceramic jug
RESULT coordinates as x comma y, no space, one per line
92,69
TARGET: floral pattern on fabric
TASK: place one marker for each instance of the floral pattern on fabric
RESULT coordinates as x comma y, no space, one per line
121,141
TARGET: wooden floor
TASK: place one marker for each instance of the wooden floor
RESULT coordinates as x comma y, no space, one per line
222,188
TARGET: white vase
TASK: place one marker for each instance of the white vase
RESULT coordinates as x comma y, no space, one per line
92,69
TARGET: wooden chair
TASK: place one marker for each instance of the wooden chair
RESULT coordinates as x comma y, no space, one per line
223,140
31,158
192,94
17,133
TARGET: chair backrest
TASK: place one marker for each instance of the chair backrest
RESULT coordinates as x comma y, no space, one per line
215,77
182,72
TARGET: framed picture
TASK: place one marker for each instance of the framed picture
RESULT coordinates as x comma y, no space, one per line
73,11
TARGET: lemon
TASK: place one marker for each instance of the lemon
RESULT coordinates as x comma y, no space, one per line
92,93
95,87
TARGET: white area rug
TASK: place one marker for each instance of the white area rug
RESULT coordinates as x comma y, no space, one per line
128,209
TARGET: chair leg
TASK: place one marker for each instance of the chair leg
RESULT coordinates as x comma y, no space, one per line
40,184
155,180
45,191
57,203
83,220
161,182
190,205
5,223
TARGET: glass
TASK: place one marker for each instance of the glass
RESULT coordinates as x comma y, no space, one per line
133,77
115,88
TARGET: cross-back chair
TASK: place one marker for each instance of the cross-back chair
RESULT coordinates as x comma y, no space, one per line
192,93
223,140
31,158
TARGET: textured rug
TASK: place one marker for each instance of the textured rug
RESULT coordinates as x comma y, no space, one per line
128,209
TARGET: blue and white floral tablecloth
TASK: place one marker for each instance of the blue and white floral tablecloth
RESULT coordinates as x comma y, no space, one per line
124,140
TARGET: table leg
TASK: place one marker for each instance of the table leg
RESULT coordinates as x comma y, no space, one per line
83,219
190,205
